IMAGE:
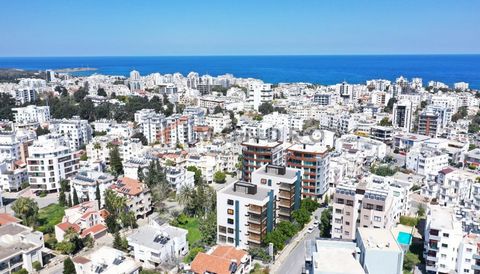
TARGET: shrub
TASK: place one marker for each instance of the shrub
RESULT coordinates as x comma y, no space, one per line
409,221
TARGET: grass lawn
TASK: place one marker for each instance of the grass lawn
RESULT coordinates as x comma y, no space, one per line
193,231
49,216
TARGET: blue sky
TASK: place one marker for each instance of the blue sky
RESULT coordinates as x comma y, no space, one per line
230,27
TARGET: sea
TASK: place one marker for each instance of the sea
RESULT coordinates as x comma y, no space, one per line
318,69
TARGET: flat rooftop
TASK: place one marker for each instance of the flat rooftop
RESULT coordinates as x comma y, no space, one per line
273,170
336,257
442,217
155,238
379,239
309,148
260,195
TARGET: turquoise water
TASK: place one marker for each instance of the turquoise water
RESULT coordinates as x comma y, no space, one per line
315,69
404,238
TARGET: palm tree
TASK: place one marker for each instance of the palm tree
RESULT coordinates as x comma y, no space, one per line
184,195
26,209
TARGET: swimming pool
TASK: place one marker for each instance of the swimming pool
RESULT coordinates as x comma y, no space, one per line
404,238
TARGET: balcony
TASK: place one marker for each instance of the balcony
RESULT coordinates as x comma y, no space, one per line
255,220
255,209
255,238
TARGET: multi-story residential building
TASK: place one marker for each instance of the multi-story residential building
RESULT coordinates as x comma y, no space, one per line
106,260
24,95
139,197
404,142
468,260
180,177
77,132
218,122
314,163
402,115
132,166
461,86
443,235
286,185
86,182
20,247
12,175
258,153
380,253
32,114
333,256
210,102
425,160
259,94
50,161
86,219
383,134
429,123
363,205
10,146
370,148
156,245
197,113
245,214
99,149
222,259
206,163
323,99
472,157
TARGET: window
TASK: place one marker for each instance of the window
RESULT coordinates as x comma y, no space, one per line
230,230
340,201
222,238
347,213
230,202
445,235
222,229
469,250
339,211
444,245
377,218
230,211
379,208
347,223
230,221
443,256
230,240
365,217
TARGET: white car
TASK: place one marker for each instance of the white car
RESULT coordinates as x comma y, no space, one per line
316,223
310,229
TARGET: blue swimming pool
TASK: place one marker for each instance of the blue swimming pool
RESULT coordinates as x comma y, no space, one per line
404,238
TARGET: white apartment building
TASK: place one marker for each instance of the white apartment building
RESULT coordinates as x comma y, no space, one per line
98,150
85,183
20,247
364,205
371,148
156,245
24,95
180,177
131,167
10,146
468,260
106,260
259,94
206,163
12,175
461,86
50,161
426,161
218,122
32,114
443,235
77,132
245,214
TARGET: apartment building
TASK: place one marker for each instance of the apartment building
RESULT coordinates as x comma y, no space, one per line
468,259
86,182
366,205
50,161
429,123
245,214
452,187
257,153
10,146
443,235
382,134
206,163
156,245
180,177
426,161
12,175
259,94
286,185
20,247
218,122
31,114
380,253
98,150
402,115
106,260
77,132
314,163
139,197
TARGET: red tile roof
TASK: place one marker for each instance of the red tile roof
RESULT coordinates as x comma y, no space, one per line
218,261
128,186
93,230
80,260
447,170
6,218
66,225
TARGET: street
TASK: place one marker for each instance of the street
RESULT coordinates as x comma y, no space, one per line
295,259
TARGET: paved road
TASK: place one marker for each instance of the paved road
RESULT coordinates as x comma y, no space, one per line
296,258
10,197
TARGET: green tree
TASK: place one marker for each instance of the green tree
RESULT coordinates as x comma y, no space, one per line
26,209
102,92
309,204
21,271
421,211
68,266
37,265
80,94
198,174
62,199
265,108
65,247
208,228
98,197
119,242
115,161
41,131
326,223
142,138
287,228
410,260
385,122
217,109
301,216
75,200
277,238
219,177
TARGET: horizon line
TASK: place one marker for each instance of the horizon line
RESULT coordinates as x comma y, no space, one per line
251,55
